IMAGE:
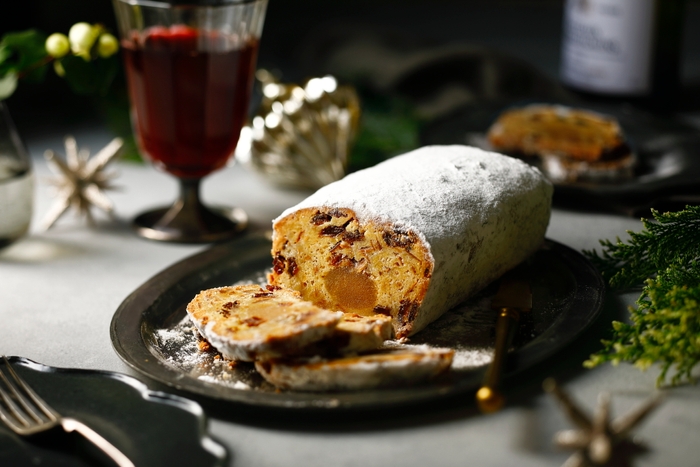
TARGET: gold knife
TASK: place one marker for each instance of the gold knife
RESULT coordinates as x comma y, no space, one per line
513,298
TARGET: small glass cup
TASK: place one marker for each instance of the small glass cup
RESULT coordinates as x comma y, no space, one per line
16,182
190,70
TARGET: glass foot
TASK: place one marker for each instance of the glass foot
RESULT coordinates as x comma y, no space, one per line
190,221
204,225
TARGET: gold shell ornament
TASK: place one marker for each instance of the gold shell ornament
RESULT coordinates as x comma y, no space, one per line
302,135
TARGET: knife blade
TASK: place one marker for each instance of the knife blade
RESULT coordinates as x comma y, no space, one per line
513,298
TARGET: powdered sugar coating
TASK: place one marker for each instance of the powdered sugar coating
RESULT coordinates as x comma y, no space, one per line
479,212
433,190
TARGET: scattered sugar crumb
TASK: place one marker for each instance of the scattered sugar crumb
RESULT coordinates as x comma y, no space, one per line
466,359
240,385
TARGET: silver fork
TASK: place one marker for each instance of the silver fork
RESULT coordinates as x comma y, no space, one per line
25,413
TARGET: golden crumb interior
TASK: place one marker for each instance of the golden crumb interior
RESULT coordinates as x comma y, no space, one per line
339,264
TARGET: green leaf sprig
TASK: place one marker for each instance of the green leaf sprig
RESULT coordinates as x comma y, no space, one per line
665,325
85,58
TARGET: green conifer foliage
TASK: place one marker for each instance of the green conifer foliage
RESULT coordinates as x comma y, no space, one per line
665,325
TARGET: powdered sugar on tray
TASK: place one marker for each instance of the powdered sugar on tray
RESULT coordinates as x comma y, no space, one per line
182,348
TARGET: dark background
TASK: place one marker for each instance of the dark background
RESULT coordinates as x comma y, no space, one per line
527,29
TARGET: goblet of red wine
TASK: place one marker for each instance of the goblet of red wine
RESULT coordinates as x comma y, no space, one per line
190,69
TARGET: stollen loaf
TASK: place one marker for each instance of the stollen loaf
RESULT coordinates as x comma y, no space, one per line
413,236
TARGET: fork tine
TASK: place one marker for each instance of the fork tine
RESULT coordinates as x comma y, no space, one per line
8,419
13,415
12,409
28,391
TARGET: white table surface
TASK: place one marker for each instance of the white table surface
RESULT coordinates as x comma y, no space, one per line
59,290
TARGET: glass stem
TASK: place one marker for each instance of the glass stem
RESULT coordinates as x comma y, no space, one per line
186,212
189,220
189,194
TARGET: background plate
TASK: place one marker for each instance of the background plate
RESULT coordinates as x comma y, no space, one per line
148,333
668,173
151,428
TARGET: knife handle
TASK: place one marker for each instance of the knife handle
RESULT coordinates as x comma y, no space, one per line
488,397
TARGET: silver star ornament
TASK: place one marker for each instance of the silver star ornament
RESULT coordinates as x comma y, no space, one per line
81,181
599,441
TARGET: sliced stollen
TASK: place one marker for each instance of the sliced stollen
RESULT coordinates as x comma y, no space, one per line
540,129
413,236
573,145
249,322
380,369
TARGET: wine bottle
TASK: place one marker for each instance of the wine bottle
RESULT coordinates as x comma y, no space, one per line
624,50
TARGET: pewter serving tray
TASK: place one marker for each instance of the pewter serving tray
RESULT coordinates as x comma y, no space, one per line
150,331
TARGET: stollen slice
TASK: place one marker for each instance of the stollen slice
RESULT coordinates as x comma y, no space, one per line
378,369
251,322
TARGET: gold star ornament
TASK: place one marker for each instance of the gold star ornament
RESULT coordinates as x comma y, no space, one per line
81,181
599,441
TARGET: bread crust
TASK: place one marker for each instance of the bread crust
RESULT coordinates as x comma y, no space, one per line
564,170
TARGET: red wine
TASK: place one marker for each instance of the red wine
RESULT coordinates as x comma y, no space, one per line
189,96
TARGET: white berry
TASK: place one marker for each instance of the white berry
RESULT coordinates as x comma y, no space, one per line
57,45
82,37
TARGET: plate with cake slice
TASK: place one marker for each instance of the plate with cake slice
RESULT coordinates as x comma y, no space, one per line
152,332
599,156
375,290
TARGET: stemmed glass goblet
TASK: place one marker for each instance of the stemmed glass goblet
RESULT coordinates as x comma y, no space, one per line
190,69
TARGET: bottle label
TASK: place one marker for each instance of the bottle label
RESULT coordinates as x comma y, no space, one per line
607,45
